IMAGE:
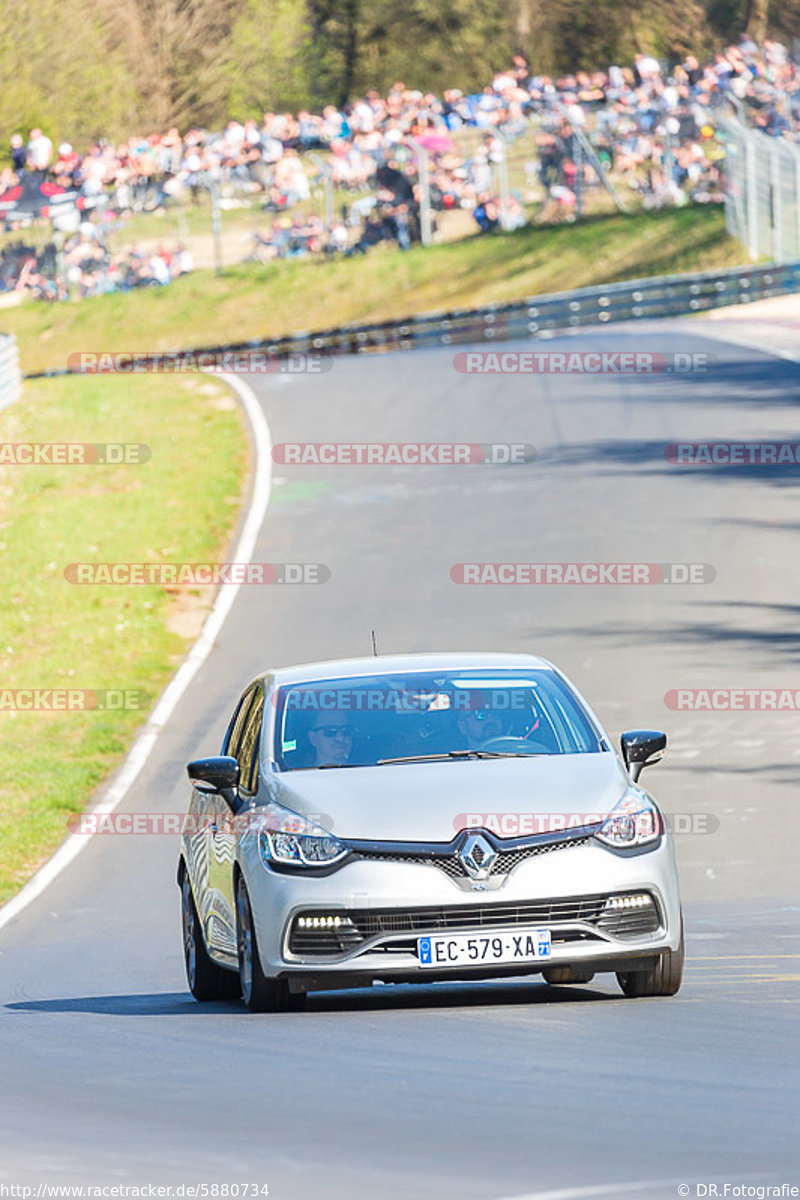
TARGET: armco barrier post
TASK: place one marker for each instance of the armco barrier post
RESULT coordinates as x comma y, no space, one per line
776,207
10,375
426,228
751,192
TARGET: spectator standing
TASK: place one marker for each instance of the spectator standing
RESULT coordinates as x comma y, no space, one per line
19,155
40,151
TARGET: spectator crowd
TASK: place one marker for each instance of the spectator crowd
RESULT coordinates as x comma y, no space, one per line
87,267
645,124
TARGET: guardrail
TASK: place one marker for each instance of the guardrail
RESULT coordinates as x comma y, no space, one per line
10,374
537,316
669,295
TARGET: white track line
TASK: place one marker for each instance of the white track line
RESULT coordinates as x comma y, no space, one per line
143,746
636,1186
596,1190
730,336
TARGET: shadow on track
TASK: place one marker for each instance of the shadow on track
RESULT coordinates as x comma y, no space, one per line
769,382
457,996
145,1004
181,1004
649,457
783,644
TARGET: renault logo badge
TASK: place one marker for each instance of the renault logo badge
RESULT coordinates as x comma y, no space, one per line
477,856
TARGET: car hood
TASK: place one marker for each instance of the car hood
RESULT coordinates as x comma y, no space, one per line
431,802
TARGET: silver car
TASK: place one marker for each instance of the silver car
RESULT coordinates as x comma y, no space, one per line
419,818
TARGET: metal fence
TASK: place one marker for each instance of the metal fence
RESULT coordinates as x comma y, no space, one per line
762,194
10,375
536,317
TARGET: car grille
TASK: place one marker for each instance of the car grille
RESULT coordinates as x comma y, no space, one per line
359,926
451,864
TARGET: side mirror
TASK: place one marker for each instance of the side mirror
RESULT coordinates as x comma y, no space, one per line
220,774
641,748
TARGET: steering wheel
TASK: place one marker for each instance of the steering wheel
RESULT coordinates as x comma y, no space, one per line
514,744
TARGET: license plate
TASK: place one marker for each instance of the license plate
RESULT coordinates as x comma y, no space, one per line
474,949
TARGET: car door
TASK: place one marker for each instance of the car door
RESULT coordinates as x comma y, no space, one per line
248,757
220,920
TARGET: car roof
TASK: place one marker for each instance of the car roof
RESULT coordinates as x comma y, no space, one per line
391,664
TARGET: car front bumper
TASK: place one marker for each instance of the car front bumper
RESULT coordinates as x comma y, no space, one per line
394,903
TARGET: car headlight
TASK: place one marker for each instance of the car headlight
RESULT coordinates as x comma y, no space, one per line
635,821
318,849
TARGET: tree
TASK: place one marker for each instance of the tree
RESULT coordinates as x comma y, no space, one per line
88,68
267,58
65,70
757,18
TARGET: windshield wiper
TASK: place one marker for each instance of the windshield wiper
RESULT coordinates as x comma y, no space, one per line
510,754
456,755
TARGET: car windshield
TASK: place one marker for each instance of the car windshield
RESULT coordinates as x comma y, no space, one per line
377,719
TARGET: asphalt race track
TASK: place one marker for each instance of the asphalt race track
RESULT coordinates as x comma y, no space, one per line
111,1073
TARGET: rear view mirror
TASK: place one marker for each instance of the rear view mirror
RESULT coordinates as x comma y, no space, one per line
220,774
641,748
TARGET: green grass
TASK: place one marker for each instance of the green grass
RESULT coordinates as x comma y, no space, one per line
263,301
58,635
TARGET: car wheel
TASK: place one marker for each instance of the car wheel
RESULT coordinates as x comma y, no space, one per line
206,979
567,975
663,979
258,993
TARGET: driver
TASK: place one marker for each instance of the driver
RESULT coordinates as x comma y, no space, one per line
479,726
331,737
518,723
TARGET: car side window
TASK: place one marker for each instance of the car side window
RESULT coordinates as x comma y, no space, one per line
248,749
234,740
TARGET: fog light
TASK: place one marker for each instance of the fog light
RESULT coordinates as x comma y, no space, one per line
640,900
324,921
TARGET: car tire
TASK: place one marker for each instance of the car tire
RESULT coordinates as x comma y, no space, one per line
567,975
206,979
664,979
259,993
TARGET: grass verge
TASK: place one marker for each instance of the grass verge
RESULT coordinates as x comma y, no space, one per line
264,301
59,635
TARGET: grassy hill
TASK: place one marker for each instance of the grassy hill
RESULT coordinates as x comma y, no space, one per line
263,301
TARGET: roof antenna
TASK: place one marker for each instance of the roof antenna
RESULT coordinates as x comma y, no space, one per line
374,644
